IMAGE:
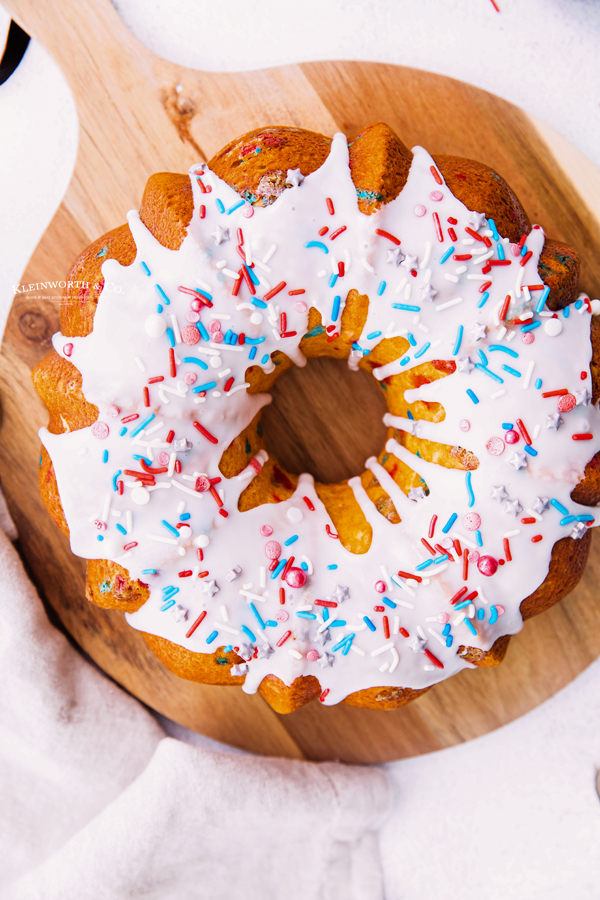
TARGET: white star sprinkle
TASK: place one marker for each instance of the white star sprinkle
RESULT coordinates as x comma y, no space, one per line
477,220
582,397
579,529
264,651
326,661
294,177
210,587
341,593
409,261
499,493
418,645
395,257
322,637
179,613
427,293
478,331
554,421
541,503
518,460
239,670
220,234
513,507
464,365
416,494
246,651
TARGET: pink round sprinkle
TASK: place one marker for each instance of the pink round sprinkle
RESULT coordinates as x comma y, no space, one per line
472,521
163,458
499,609
566,402
282,615
437,196
190,378
312,655
266,530
473,556
300,306
113,411
528,337
196,305
100,525
296,578
420,210
67,349
443,618
190,335
495,446
215,325
218,337
380,587
202,484
464,425
515,249
273,549
487,565
192,317
511,437
100,430
247,212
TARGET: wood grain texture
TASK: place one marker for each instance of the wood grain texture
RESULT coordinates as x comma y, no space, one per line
140,114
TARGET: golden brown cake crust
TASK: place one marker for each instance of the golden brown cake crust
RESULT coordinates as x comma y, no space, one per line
255,165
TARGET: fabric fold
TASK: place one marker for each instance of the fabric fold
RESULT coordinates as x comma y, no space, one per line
95,802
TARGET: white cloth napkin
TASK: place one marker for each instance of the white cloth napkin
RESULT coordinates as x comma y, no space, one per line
95,801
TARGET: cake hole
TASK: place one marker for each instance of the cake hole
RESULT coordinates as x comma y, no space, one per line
325,419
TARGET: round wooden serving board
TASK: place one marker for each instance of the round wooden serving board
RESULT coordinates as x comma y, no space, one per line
138,115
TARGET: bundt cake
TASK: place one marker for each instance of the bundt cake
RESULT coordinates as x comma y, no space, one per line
424,271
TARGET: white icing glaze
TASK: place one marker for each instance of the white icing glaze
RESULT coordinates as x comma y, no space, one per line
129,345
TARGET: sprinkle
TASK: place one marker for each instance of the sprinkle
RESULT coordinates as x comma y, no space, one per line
369,624
211,637
447,254
198,621
450,523
387,235
337,232
436,662
278,287
507,552
470,493
438,228
318,244
142,425
381,288
489,373
542,301
204,432
470,626
473,396
582,437
162,295
406,307
336,309
422,350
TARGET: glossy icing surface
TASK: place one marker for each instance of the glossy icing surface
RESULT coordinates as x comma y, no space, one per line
416,289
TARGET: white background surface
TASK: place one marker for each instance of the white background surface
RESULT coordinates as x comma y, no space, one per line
514,814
